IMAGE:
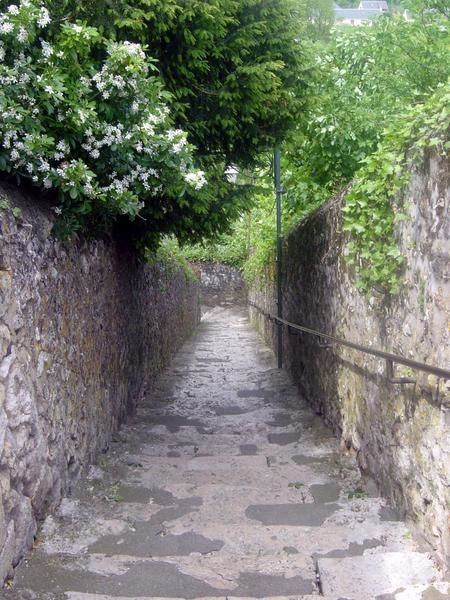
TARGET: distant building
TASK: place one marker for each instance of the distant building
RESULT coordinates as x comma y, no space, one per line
379,5
366,11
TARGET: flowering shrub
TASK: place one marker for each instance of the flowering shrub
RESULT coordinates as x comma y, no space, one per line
88,118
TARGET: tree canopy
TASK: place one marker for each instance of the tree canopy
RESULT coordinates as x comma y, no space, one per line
377,99
216,82
235,68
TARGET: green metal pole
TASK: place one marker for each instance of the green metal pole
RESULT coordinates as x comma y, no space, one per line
279,191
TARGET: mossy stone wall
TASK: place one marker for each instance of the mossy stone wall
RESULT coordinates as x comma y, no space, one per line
401,434
84,329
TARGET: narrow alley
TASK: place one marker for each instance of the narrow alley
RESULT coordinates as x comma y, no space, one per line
225,485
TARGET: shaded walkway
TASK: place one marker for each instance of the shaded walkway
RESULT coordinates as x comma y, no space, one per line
224,485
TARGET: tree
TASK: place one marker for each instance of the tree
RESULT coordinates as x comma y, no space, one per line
231,73
235,68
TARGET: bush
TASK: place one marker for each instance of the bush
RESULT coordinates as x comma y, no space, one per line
88,119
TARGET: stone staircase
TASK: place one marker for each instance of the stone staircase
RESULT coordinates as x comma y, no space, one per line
225,485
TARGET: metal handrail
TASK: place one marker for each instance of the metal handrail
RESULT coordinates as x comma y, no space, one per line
388,356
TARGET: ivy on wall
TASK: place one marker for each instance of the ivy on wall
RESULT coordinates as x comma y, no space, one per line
376,202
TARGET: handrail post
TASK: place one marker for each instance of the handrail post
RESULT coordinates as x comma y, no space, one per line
278,192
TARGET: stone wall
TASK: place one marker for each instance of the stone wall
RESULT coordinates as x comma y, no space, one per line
401,434
84,328
220,284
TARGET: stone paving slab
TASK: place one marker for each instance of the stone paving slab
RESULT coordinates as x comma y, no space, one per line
78,596
224,485
373,575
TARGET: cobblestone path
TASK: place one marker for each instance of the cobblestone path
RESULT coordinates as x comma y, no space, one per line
225,485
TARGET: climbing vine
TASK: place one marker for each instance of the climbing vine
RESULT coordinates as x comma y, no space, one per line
376,201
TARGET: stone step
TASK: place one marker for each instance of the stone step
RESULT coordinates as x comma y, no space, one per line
178,577
374,576
238,471
254,444
78,596
435,591
379,576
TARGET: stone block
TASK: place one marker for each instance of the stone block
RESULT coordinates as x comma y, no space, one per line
369,576
7,552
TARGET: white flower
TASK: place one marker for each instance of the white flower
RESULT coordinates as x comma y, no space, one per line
13,9
155,119
88,189
57,210
49,89
6,27
82,115
196,179
173,133
47,184
47,50
44,18
148,128
130,49
77,28
178,146
95,153
44,166
119,82
62,146
22,36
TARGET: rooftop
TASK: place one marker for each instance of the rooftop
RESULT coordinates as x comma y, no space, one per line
357,14
379,5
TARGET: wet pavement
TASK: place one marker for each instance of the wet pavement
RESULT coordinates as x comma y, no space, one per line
225,485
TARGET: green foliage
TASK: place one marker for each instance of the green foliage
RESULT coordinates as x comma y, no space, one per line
233,67
358,493
86,120
348,3
232,248
104,127
427,7
15,210
171,258
365,78
318,16
374,206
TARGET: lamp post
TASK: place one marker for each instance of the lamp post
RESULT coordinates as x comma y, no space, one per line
278,192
